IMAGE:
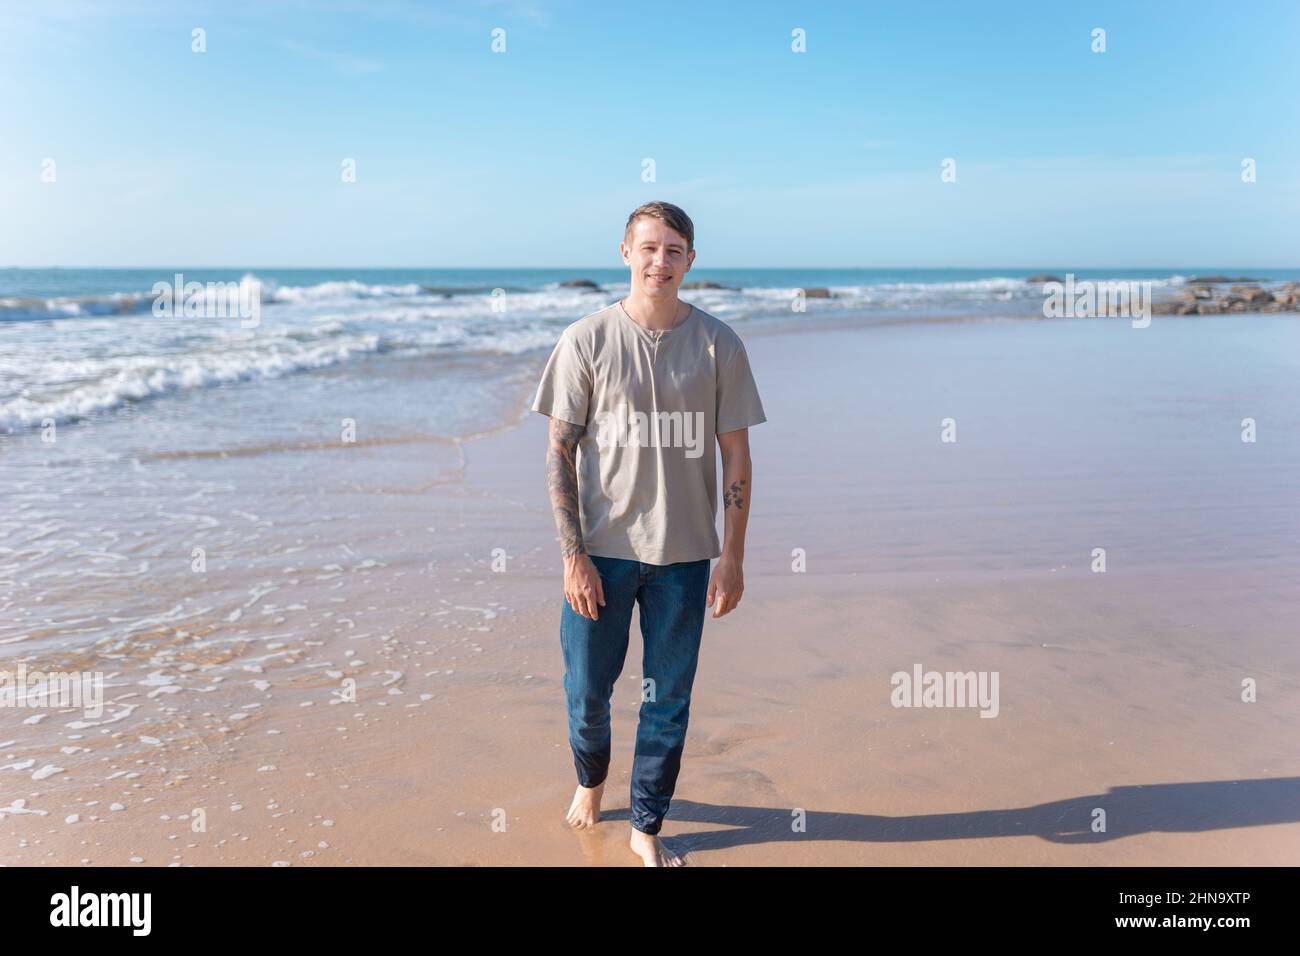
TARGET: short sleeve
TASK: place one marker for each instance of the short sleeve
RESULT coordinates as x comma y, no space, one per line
565,389
738,403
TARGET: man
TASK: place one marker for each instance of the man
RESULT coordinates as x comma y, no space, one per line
636,393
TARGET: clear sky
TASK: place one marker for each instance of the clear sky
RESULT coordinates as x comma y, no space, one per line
533,157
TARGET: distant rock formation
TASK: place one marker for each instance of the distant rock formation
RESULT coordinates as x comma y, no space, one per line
709,285
580,284
1202,298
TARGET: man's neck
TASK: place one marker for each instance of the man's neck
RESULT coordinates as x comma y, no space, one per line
657,315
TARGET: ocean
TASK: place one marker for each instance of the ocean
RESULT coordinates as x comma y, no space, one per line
80,343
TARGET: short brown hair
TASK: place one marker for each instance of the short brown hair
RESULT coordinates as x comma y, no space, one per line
673,216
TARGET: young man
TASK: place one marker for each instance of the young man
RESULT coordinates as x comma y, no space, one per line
636,393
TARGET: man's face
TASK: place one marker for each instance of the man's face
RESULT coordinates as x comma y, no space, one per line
657,257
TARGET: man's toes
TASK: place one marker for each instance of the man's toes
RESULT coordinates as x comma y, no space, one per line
671,857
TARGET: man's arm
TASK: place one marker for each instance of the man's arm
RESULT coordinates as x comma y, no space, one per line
582,586
728,581
562,482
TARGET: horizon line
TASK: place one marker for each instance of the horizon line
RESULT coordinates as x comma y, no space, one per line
150,268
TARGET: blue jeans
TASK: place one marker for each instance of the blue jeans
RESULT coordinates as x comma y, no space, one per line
671,598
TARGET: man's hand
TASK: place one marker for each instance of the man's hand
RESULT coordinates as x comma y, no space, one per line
727,584
582,585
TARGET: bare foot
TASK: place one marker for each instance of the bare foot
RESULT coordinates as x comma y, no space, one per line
585,810
652,851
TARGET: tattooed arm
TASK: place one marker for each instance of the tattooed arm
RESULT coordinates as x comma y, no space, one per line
582,585
728,581
562,481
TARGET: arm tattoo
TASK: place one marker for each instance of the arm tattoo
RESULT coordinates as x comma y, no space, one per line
732,496
562,481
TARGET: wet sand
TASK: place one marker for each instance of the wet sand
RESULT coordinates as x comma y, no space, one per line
425,570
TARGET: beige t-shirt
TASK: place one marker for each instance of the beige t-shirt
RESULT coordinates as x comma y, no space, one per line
653,403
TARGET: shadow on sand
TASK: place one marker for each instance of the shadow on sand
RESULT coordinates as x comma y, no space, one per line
1152,808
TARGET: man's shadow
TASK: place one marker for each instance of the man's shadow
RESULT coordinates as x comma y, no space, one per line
1151,808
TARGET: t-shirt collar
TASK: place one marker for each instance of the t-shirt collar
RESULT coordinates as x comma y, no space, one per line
653,332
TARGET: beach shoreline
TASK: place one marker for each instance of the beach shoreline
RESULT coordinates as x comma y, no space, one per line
422,567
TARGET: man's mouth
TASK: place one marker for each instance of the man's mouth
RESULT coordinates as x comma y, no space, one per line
664,277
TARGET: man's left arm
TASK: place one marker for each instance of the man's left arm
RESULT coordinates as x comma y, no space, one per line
728,580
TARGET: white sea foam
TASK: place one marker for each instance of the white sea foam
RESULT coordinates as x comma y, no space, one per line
344,289
89,354
68,390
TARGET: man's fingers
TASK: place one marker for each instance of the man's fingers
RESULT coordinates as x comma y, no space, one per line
600,591
713,590
726,602
580,604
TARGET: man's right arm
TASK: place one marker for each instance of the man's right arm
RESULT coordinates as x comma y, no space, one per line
562,480
582,586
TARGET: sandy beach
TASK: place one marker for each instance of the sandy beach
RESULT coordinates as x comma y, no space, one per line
368,671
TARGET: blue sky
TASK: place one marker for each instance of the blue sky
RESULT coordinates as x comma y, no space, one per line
533,157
